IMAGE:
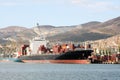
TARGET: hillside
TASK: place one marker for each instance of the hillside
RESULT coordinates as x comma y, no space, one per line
16,34
109,27
90,24
79,35
93,30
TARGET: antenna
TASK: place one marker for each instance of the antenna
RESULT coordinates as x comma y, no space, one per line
37,24
39,32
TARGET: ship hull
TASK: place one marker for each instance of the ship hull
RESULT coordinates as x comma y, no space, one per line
59,61
73,57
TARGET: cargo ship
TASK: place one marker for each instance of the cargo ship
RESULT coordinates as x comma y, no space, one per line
38,52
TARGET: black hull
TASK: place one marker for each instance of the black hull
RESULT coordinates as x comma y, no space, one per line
71,55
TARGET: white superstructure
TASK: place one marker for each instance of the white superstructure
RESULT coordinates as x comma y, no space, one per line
35,44
37,41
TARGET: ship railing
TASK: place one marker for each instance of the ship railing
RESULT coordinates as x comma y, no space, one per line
83,49
40,54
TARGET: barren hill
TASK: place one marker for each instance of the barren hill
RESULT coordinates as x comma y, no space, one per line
93,30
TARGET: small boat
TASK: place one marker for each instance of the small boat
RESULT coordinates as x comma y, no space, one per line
11,60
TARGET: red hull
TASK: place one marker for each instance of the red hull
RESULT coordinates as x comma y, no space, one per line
58,61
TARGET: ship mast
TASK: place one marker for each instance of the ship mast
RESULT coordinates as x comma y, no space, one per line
39,32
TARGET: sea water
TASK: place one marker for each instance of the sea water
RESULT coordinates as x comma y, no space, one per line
35,71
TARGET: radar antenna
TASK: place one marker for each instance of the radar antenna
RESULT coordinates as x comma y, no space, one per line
39,32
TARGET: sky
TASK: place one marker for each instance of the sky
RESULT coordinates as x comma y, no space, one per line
27,13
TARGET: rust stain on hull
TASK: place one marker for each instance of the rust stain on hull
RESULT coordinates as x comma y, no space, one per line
58,61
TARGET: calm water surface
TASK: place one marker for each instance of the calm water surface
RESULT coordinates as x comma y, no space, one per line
30,71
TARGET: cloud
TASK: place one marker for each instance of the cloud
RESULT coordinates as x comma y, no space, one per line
96,5
28,2
8,4
12,2
81,2
19,2
31,2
